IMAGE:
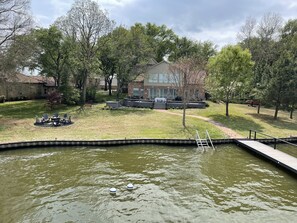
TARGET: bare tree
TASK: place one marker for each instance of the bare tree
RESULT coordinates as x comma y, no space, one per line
270,26
85,23
188,77
14,19
247,31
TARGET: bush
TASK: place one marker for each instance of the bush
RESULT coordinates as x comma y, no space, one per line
54,98
91,94
2,98
70,95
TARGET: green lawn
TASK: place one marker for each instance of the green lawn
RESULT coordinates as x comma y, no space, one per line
17,118
243,118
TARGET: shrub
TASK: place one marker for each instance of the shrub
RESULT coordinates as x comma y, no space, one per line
2,98
54,98
91,94
70,95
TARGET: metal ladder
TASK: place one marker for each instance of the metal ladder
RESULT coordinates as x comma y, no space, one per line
204,143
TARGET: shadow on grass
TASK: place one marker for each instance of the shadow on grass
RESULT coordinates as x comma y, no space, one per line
237,123
28,109
281,123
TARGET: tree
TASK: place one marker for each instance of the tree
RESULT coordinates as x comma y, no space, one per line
85,23
247,32
261,39
229,70
282,85
161,39
108,61
188,75
128,52
54,53
15,20
289,37
185,47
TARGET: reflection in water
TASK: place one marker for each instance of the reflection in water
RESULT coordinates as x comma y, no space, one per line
172,184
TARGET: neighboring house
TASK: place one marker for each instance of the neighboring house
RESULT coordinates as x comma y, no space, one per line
20,86
99,83
159,82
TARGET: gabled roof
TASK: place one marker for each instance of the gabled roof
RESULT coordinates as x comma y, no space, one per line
157,64
150,65
152,62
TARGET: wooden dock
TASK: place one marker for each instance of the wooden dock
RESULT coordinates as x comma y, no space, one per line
280,158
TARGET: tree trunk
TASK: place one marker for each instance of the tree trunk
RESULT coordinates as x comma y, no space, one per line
291,113
109,87
259,106
227,104
227,108
84,88
276,111
184,113
105,83
184,100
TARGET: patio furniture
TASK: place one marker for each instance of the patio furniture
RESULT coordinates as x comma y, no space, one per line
45,118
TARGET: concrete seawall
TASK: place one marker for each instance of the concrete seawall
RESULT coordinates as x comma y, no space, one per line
121,142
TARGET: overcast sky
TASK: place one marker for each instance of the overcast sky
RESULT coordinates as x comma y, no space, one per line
214,20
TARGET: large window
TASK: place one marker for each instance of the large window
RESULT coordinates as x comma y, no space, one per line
163,78
153,78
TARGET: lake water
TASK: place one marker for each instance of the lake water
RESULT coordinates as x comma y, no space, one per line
172,184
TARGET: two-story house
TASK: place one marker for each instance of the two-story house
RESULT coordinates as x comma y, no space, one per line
159,82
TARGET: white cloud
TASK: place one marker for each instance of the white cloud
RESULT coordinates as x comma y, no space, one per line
60,7
117,3
219,37
217,21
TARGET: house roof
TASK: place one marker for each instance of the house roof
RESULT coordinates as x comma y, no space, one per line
139,78
22,78
151,64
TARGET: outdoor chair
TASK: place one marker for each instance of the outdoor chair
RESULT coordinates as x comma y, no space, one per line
64,120
38,121
69,120
45,118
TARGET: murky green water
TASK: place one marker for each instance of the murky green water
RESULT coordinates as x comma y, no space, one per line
173,184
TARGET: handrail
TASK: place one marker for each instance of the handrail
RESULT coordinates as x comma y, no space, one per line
198,136
208,136
275,139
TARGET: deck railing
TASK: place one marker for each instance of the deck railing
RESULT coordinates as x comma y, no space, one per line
275,140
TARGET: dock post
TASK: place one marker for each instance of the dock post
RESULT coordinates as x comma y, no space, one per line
274,143
255,135
250,134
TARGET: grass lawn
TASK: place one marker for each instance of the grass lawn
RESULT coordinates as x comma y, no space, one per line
243,118
17,119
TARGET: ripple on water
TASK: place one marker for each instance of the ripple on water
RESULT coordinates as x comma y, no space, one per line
171,185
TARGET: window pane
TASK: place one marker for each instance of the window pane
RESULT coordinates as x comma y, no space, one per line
153,78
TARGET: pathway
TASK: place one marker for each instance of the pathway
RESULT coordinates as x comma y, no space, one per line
229,132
